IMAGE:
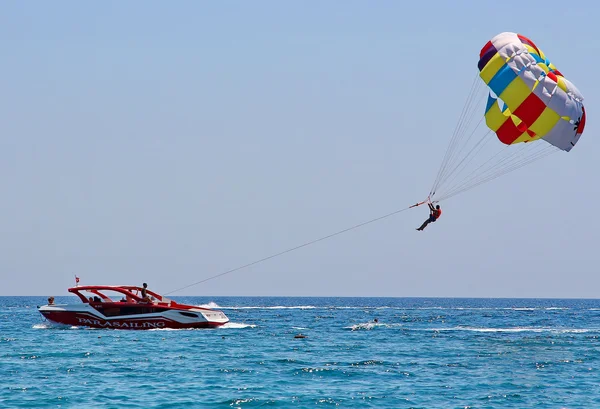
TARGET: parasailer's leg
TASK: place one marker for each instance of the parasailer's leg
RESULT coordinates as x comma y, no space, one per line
425,223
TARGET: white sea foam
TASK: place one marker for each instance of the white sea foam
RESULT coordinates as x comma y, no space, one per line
55,325
371,325
211,304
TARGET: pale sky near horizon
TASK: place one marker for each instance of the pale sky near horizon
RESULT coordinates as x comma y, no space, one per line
167,142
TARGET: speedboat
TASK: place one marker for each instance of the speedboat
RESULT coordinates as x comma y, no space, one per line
131,311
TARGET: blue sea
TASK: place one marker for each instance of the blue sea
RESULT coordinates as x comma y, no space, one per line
421,353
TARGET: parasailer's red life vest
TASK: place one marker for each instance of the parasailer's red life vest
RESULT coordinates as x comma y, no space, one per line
437,213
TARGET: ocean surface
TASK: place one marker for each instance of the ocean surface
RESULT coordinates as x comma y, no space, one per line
422,353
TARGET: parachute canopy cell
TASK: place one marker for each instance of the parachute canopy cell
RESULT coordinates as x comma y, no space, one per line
529,99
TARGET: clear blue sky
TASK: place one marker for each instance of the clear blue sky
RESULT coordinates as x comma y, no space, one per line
168,142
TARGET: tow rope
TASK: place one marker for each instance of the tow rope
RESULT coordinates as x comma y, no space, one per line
301,246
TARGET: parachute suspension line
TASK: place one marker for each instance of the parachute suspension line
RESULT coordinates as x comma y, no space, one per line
454,141
513,164
298,247
514,158
454,136
515,167
457,154
461,141
467,143
496,167
474,175
478,147
456,133
455,168
505,97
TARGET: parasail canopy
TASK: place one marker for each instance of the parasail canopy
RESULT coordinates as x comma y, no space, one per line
539,102
522,98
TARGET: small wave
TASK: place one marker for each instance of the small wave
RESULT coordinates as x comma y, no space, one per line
366,307
532,308
520,329
508,308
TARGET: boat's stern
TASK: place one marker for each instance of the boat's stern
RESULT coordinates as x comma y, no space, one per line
215,316
197,317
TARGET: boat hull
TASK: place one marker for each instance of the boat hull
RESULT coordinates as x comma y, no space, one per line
171,318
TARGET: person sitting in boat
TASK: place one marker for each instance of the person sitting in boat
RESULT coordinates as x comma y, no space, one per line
145,296
50,300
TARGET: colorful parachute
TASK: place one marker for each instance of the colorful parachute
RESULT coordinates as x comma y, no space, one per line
528,99
539,102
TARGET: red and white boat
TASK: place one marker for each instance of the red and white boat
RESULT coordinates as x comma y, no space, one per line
132,311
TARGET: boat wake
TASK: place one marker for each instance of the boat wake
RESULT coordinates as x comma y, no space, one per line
237,325
276,307
369,308
210,305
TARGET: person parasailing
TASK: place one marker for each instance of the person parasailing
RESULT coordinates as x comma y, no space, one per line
434,214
